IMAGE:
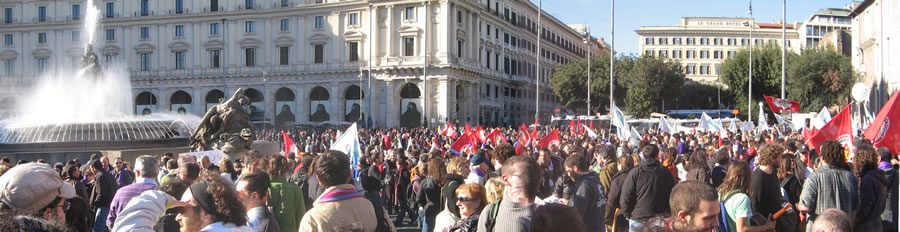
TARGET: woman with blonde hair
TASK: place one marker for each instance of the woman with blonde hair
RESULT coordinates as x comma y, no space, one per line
494,189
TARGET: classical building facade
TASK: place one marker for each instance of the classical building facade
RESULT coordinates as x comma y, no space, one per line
305,61
701,44
874,45
822,22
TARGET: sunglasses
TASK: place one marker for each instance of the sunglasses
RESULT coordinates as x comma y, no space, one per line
464,198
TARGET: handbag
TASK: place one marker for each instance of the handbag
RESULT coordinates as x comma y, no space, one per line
442,219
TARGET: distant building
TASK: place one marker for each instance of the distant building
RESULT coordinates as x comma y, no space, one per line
875,48
839,40
701,44
598,45
304,61
822,22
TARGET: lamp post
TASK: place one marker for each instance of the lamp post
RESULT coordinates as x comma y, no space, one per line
587,40
750,70
537,79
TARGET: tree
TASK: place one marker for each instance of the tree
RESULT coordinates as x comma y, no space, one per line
651,81
569,82
820,77
766,74
703,96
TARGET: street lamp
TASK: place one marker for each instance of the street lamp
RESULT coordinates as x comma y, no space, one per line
587,40
750,70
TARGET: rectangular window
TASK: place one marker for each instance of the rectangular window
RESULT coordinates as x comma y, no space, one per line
179,6
718,69
110,9
250,56
488,63
43,65
663,41
283,55
76,36
7,39
319,22
42,14
354,19
213,5
110,34
145,33
730,54
704,69
145,7
249,4
76,12
42,37
488,29
459,16
409,46
145,61
704,54
689,69
319,53
179,60
691,41
214,58
648,52
459,48
285,24
8,15
248,26
663,53
648,41
690,54
9,67
213,28
409,13
179,30
353,51
676,54
284,3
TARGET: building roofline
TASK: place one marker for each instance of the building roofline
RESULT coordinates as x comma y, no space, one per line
859,8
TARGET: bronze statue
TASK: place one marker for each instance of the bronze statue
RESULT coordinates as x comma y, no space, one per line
226,127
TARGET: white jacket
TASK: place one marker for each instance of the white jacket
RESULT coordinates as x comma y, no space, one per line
143,211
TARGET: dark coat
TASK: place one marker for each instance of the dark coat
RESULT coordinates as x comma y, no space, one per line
645,193
469,224
429,196
614,197
590,201
103,191
872,198
448,195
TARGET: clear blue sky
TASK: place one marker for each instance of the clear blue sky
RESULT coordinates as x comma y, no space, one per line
631,15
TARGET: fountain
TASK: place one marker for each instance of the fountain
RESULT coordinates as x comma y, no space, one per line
66,116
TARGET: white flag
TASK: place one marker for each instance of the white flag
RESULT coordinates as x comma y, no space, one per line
590,131
618,120
664,125
763,125
823,117
733,127
349,144
708,124
634,137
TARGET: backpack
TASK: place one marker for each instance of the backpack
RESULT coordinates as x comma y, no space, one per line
492,216
723,215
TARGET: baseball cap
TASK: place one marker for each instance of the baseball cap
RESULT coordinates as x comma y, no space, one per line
32,186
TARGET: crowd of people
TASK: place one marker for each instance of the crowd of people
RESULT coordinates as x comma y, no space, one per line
594,181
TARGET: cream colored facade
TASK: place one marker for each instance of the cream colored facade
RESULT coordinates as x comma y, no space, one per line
875,43
300,54
702,44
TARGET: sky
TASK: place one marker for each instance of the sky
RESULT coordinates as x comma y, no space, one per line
631,15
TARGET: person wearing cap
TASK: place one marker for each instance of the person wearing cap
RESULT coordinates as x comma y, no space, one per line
36,195
102,192
341,205
479,169
210,205
146,169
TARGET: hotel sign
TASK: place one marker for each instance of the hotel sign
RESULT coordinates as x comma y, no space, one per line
717,23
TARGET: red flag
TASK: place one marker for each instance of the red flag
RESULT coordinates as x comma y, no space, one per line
451,132
288,144
778,104
520,145
571,126
479,134
550,138
883,132
839,128
536,122
460,144
468,130
496,137
523,128
592,125
387,142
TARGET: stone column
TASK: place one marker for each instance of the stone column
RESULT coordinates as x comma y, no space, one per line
443,101
302,103
391,109
334,108
198,103
389,32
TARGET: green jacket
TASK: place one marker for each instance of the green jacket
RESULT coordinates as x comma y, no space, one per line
606,174
287,203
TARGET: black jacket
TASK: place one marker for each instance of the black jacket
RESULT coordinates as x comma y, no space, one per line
103,191
469,224
301,178
546,188
718,175
448,195
590,201
645,193
615,193
429,197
